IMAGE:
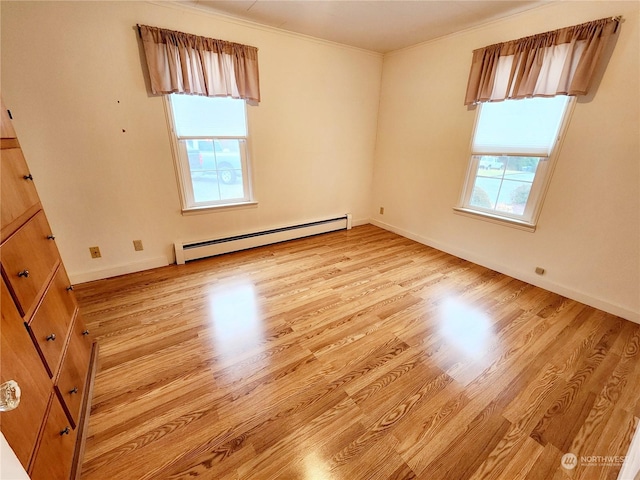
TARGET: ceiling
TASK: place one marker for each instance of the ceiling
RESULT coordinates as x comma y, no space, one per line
380,26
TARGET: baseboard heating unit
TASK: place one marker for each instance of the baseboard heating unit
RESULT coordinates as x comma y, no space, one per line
186,252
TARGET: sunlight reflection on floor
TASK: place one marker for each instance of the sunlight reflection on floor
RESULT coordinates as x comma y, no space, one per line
315,468
235,318
465,327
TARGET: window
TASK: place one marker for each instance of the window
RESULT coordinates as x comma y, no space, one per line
514,145
210,140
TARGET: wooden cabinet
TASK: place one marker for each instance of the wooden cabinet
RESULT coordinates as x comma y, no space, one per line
29,259
19,194
45,345
49,335
70,385
6,127
20,362
56,446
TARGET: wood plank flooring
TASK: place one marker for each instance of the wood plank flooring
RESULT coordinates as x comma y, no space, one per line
353,355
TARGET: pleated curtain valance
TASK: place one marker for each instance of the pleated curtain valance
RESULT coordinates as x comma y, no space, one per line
560,62
184,63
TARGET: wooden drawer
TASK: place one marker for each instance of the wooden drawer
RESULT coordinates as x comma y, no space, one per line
18,191
19,361
73,374
50,324
28,259
6,127
55,455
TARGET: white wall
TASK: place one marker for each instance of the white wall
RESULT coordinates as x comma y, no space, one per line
72,76
588,236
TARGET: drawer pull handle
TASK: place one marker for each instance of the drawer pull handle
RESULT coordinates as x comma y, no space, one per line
66,431
28,177
74,390
86,332
51,337
23,273
70,288
51,236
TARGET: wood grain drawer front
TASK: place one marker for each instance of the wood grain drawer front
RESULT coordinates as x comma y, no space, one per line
6,127
19,361
55,455
28,260
18,191
50,324
73,374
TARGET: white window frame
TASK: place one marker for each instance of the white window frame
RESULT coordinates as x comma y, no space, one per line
529,219
183,172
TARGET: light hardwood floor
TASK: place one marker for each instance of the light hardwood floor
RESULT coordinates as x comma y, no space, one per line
353,355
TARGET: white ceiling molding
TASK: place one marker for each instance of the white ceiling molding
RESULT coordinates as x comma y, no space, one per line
379,26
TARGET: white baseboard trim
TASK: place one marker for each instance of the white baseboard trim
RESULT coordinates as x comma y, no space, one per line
195,250
531,278
631,467
114,271
360,221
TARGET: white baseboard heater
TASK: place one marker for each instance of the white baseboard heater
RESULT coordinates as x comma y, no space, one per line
186,252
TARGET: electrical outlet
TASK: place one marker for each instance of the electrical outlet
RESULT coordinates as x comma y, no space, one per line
95,252
137,245
381,210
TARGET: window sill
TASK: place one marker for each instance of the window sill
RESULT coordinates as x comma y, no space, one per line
508,222
218,208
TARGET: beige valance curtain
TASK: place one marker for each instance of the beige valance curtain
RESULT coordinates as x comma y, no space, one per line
561,62
183,63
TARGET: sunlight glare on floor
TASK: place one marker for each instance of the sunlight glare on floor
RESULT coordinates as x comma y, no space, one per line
235,318
315,468
465,327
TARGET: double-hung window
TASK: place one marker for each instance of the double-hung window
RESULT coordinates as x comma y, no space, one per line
210,147
514,145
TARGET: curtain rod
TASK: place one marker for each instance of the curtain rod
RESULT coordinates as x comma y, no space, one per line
618,19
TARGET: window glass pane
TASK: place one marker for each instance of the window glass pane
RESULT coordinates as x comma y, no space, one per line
513,197
490,166
215,168
519,126
503,184
233,189
197,116
485,192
